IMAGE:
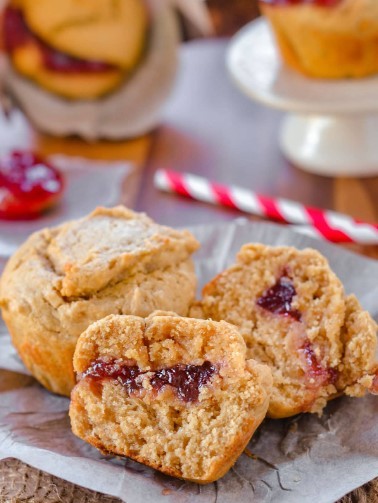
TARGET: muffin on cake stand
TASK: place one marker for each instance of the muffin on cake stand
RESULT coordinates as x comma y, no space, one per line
330,128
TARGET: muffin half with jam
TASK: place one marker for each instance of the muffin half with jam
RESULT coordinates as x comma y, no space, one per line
294,316
176,394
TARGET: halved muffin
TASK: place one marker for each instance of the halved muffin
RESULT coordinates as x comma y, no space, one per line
293,314
176,394
77,49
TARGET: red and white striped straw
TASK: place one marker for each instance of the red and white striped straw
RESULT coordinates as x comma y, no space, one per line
329,225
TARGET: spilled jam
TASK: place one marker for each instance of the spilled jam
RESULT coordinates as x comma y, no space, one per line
187,380
28,185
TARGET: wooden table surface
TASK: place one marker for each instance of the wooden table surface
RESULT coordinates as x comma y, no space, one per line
208,128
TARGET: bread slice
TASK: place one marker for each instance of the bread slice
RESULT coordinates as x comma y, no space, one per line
293,314
176,394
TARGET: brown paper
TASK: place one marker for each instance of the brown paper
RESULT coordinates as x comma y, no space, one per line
305,459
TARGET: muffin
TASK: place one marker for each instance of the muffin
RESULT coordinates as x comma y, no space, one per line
293,314
63,279
326,38
76,49
176,394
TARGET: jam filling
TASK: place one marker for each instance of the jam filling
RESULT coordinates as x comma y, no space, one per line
187,380
319,3
28,185
279,297
17,34
374,387
314,370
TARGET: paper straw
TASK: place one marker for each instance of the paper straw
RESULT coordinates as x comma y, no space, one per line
329,225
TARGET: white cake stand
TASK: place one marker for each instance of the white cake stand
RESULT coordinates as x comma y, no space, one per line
332,126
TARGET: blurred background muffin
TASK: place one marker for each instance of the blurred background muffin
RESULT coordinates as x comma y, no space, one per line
326,38
79,50
92,68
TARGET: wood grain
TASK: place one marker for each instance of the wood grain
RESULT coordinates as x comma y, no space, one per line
357,197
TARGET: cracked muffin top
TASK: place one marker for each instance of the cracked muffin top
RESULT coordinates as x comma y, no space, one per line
106,246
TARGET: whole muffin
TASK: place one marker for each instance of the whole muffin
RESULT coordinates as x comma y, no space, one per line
79,49
61,280
326,38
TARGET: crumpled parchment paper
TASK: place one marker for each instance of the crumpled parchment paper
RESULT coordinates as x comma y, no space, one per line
305,459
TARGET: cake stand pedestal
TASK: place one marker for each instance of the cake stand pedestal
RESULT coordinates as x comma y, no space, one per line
331,126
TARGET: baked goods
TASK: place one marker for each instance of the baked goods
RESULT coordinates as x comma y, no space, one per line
359,368
294,316
174,393
77,49
326,38
63,279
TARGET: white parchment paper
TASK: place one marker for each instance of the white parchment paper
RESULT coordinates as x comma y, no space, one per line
305,459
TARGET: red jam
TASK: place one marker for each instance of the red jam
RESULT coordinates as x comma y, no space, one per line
60,62
314,370
17,34
28,185
279,297
187,380
319,3
374,387
125,374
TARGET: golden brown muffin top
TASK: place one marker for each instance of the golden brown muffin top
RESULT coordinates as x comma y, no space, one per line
101,30
109,244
